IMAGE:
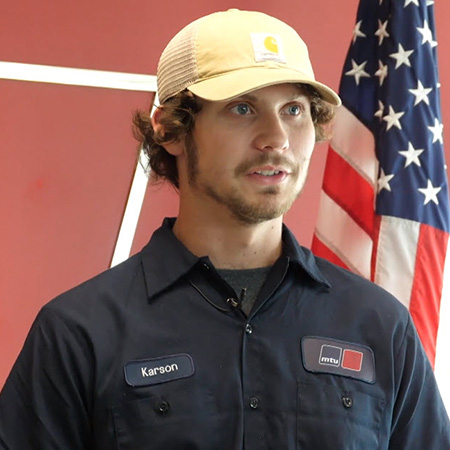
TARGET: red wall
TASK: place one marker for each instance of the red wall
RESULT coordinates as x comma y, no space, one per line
67,153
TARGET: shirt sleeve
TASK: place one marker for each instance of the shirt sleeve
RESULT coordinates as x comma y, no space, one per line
420,419
45,402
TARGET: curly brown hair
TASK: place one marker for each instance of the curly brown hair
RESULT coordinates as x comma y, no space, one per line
178,122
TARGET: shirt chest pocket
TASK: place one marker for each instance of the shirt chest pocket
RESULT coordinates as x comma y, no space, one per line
179,419
331,417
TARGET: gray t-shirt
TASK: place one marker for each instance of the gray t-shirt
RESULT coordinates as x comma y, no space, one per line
247,283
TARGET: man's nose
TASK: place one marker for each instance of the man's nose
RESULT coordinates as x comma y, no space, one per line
271,133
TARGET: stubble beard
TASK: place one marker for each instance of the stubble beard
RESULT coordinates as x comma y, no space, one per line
267,207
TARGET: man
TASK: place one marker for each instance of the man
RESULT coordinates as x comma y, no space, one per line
224,333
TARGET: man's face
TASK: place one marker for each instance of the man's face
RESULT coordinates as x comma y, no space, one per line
250,155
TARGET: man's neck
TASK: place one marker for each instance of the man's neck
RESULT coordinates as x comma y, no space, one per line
231,244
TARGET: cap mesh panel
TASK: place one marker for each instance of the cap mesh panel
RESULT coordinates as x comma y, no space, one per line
177,67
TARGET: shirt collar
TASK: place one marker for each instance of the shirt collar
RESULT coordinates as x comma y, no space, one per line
162,272
302,257
165,259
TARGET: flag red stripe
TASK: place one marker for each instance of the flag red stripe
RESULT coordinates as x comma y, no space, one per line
320,249
341,183
375,237
427,286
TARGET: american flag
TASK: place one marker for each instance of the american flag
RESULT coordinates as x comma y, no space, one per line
384,209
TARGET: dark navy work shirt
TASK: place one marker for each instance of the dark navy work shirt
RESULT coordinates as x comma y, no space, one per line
154,354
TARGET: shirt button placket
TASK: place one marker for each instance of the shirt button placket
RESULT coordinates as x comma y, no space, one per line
251,373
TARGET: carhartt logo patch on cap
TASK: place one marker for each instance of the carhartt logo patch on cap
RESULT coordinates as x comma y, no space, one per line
324,355
268,47
158,370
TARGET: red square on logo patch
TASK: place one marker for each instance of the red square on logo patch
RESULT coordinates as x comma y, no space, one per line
352,360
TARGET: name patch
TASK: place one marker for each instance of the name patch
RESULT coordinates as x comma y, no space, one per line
324,355
158,370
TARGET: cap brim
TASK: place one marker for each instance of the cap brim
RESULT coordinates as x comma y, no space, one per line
239,82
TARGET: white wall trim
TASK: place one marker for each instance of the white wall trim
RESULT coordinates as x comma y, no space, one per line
99,79
77,77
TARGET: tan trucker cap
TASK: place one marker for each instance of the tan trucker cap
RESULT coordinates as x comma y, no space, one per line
229,53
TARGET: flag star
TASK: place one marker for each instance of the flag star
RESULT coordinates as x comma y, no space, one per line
393,119
382,72
437,130
421,94
411,155
383,181
357,71
379,113
427,35
402,56
407,2
357,31
430,2
381,32
430,193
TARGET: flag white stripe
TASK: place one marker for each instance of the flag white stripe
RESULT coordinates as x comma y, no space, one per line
355,143
344,236
396,256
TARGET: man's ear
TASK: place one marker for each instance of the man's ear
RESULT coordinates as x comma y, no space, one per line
175,148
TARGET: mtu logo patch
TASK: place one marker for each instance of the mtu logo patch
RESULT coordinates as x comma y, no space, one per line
338,357
330,355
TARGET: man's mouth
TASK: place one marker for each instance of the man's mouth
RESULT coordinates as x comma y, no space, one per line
267,173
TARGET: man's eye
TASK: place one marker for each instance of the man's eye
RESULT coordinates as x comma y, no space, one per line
293,110
241,109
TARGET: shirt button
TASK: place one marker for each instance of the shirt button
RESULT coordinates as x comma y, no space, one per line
233,302
254,402
347,401
162,407
248,329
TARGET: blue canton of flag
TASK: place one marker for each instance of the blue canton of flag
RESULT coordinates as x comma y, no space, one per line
392,65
